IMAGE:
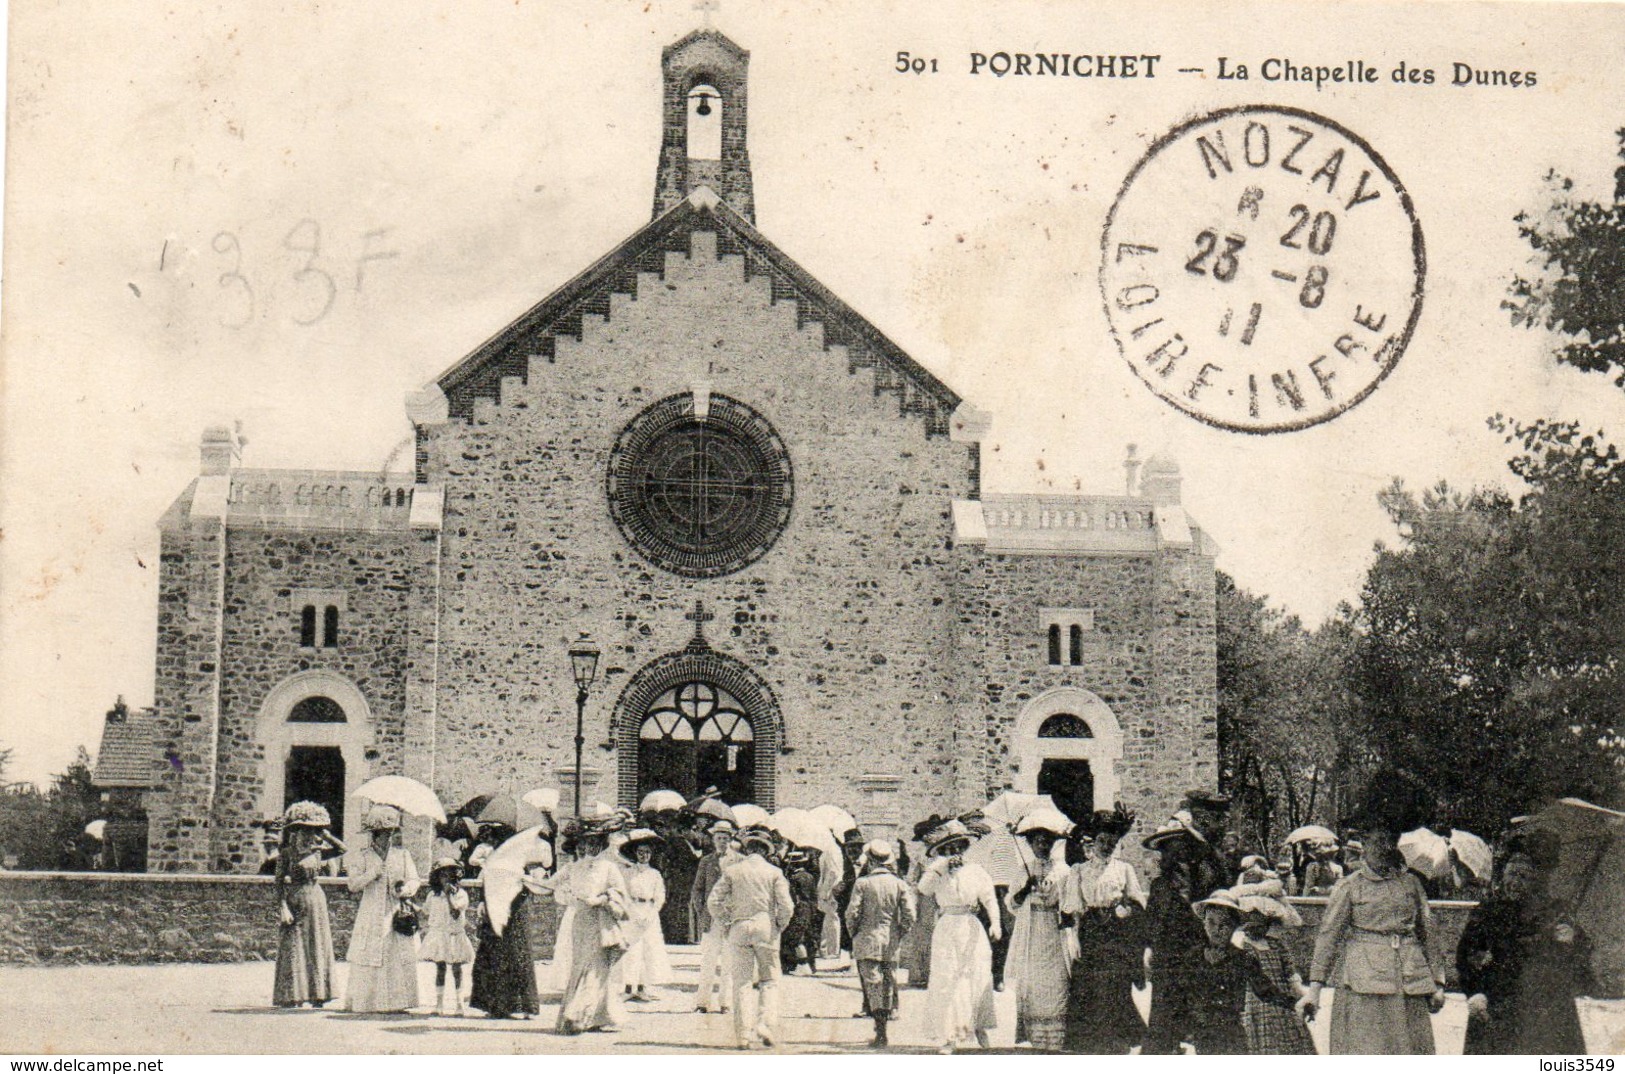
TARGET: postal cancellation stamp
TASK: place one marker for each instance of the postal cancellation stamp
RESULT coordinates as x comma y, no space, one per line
1262,269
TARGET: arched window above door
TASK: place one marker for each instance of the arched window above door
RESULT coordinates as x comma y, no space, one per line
1064,725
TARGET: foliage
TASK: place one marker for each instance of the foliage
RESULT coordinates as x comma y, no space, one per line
1580,288
46,829
1288,724
1491,638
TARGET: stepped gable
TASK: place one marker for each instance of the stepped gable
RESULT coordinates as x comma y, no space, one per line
507,354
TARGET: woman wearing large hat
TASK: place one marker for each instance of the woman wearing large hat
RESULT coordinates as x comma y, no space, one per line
646,964
1105,900
383,961
599,933
1037,966
960,995
1376,935
304,953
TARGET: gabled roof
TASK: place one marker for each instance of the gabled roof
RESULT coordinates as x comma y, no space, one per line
709,34
129,755
507,354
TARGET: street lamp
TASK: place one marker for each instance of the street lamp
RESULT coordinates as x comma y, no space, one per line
584,665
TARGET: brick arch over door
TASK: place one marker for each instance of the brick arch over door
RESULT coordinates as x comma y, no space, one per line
752,692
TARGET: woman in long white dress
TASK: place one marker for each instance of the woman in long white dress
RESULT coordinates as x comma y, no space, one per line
383,963
960,995
1037,966
596,885
646,964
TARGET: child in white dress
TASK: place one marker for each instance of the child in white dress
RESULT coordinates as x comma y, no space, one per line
445,932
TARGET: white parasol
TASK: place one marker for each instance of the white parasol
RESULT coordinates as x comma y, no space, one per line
1009,807
1313,834
833,817
405,794
1589,880
751,816
544,799
803,829
661,801
504,871
1474,854
96,829
1426,852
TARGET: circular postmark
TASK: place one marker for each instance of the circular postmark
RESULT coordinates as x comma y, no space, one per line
1262,269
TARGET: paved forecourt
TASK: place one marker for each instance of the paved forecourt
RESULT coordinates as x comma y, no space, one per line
225,1008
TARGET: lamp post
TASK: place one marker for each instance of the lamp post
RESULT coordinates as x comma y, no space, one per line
584,665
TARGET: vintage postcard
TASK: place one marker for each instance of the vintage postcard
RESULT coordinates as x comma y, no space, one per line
867,528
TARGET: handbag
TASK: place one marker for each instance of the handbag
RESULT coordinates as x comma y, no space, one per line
406,920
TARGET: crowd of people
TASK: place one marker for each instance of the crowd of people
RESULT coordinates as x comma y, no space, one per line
1210,933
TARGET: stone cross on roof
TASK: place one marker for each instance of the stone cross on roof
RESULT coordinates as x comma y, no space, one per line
707,8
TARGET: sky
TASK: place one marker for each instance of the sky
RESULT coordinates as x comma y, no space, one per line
291,218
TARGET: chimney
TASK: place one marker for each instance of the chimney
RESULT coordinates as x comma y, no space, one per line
220,451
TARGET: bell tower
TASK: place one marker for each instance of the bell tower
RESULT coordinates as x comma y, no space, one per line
703,132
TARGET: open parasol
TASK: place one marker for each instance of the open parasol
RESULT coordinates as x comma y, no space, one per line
711,807
96,829
1009,807
405,794
518,812
803,829
1313,834
504,871
662,801
1426,852
1589,879
1474,854
751,816
542,799
833,817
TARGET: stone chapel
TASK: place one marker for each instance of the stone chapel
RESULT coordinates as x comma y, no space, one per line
767,515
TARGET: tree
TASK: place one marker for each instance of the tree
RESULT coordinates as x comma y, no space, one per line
1492,636
46,829
1287,720
1580,288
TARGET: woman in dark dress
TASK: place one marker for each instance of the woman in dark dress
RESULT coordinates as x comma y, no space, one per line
1522,962
304,954
504,966
1105,900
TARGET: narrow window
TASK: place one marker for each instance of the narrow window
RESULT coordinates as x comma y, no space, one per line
1055,645
330,628
307,626
1077,644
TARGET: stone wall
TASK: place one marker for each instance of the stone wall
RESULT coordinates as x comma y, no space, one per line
1149,658
845,617
66,918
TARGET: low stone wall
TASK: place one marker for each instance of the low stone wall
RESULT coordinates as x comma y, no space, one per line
1449,918
67,918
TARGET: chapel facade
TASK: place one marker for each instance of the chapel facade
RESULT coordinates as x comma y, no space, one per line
770,519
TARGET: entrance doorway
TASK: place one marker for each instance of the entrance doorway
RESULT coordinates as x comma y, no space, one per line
1070,783
697,735
316,774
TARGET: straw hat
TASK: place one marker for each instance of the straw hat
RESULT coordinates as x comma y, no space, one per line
947,838
381,818
879,852
638,837
304,815
1219,898
1044,820
756,838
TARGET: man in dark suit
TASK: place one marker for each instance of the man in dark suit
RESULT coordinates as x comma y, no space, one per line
879,915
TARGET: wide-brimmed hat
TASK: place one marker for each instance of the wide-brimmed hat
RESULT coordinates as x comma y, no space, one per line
1176,827
1222,897
638,837
1267,897
304,815
945,837
1115,822
852,838
381,818
446,863
760,838
727,827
